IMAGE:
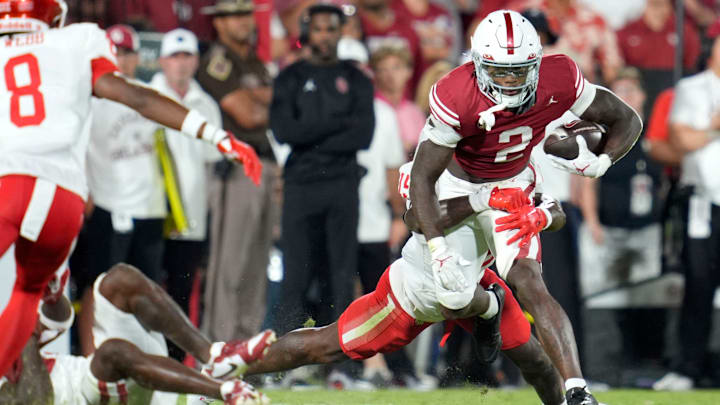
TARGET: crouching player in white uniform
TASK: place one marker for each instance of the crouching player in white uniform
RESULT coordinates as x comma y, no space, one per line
408,296
133,316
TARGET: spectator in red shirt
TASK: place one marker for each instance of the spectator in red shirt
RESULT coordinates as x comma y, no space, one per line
384,27
582,34
433,25
163,15
656,135
650,42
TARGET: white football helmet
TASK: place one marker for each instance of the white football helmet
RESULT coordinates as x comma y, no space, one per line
506,43
28,16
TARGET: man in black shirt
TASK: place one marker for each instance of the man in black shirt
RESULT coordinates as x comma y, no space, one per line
323,108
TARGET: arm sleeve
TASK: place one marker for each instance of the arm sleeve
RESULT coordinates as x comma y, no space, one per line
584,90
101,52
214,117
439,133
358,131
286,127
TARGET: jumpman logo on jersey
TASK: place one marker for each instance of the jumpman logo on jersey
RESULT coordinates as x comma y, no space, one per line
552,100
442,261
582,171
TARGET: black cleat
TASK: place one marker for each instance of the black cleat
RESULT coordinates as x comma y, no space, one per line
487,337
580,396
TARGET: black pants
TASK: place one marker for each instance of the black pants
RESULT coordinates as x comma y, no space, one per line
319,240
181,261
141,247
561,269
702,276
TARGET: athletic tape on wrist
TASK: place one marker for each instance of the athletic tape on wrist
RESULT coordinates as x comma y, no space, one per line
54,328
547,215
192,123
437,244
213,134
545,203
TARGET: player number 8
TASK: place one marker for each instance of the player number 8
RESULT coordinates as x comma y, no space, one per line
30,89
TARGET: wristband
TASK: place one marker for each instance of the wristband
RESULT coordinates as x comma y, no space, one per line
54,328
192,123
437,245
547,215
544,206
213,134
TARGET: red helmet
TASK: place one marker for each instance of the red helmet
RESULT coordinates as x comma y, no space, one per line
31,15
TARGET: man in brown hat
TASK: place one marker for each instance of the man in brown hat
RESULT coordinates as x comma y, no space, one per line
242,214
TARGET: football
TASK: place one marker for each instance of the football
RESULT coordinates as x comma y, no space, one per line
561,141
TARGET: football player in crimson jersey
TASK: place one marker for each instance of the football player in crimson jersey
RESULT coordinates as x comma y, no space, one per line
49,74
486,116
130,365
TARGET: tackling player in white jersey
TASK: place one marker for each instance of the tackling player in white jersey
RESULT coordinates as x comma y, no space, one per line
49,74
130,366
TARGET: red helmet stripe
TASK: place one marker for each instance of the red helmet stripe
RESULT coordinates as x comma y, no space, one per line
510,38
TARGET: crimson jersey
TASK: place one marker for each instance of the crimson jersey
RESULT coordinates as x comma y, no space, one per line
504,151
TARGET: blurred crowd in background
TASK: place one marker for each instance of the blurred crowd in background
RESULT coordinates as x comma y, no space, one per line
199,227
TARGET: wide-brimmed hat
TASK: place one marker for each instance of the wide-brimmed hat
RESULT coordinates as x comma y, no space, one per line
229,7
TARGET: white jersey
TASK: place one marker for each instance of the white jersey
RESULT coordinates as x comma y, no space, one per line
74,384
191,155
475,239
45,104
122,167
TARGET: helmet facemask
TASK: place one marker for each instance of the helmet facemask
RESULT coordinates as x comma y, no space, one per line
487,71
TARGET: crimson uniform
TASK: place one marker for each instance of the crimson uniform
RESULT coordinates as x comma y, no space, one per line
405,301
44,130
504,151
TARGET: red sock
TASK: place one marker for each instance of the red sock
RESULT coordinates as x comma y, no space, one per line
17,324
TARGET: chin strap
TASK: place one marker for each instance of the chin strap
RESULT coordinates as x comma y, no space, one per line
527,105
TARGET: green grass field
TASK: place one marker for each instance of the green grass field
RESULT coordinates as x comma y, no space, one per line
482,397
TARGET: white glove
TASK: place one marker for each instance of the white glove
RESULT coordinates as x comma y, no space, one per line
451,287
487,117
585,164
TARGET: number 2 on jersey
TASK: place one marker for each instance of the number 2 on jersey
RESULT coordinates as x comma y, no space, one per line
29,89
505,136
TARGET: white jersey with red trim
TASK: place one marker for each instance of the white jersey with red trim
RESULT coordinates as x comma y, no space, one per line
73,384
456,103
47,79
475,239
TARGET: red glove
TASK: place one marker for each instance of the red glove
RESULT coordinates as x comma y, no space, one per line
508,199
243,153
529,221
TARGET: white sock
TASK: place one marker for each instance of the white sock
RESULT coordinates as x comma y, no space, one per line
575,383
492,306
